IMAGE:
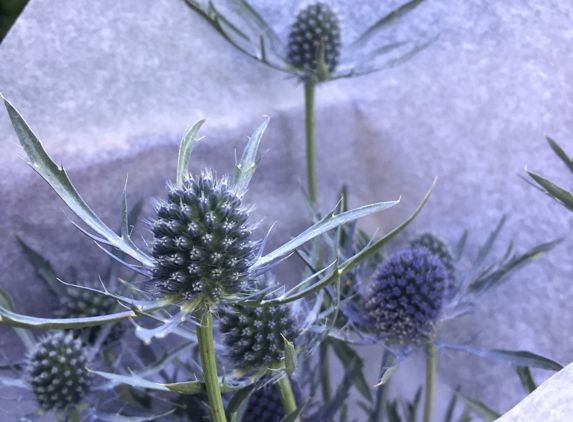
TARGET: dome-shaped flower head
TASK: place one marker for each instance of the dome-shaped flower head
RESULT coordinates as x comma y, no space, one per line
202,240
315,24
56,370
79,303
438,247
405,297
265,404
254,335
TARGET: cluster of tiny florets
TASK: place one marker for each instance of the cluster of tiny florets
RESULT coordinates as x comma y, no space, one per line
317,23
254,335
438,247
79,303
202,240
406,295
57,372
264,405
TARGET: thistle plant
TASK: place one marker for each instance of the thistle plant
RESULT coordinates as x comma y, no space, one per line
201,258
314,52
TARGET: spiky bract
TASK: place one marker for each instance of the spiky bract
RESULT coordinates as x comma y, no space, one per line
79,303
202,240
405,297
56,370
316,23
254,335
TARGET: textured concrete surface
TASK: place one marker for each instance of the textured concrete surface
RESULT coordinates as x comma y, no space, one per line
550,402
110,87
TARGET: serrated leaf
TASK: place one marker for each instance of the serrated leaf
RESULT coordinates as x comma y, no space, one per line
245,169
290,357
560,153
484,411
131,380
185,150
517,358
57,178
526,379
167,327
386,21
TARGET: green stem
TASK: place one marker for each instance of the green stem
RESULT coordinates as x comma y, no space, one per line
431,365
309,90
209,364
287,396
325,370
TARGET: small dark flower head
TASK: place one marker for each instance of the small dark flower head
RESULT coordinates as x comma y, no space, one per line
315,24
79,303
202,240
254,335
405,297
56,370
440,248
265,404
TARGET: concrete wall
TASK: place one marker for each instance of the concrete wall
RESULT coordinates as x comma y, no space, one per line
110,87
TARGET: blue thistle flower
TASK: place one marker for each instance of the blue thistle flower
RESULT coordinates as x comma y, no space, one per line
202,240
254,335
79,303
405,297
439,248
265,404
56,370
315,24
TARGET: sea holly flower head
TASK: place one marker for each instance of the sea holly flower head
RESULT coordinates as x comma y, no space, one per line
438,247
314,51
316,30
201,243
406,295
255,336
57,373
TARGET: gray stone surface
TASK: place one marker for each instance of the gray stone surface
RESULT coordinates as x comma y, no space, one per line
110,86
550,402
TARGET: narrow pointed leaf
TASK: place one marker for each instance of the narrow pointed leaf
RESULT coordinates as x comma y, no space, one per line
560,153
27,338
329,222
132,380
13,382
346,355
42,267
484,411
526,379
291,417
486,248
185,150
147,334
451,407
238,401
57,178
386,21
517,358
245,169
559,194
105,417
23,321
459,250
259,23
290,357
